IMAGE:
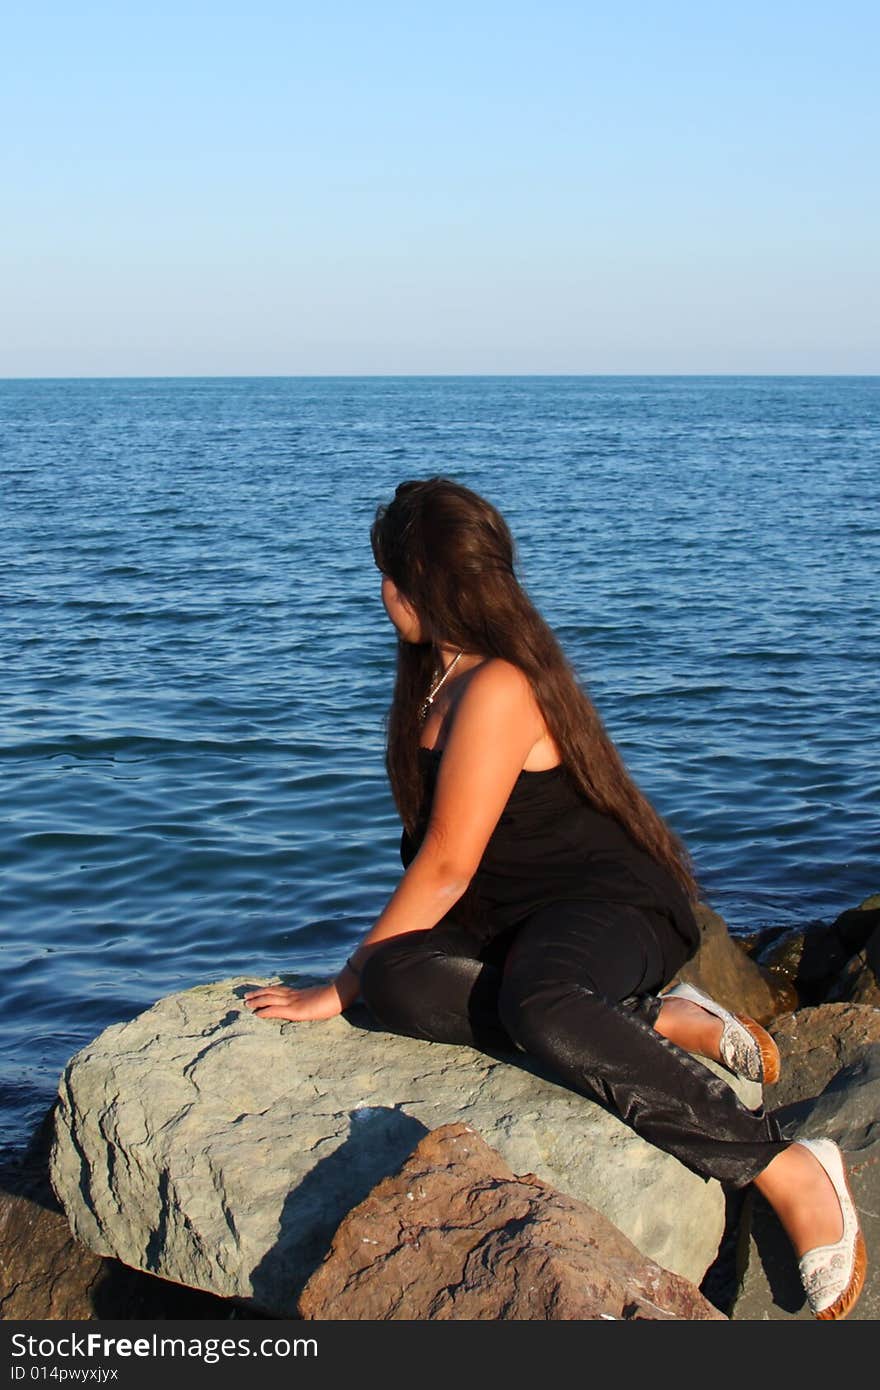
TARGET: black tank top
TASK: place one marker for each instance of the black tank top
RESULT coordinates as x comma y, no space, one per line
551,845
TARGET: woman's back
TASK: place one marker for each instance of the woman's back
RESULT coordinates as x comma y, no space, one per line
548,845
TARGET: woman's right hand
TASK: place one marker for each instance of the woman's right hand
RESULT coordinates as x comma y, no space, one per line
299,1005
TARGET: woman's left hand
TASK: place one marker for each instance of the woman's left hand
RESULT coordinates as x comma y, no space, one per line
300,1005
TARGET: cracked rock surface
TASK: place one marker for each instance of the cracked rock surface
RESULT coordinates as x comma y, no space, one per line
221,1150
815,1044
457,1235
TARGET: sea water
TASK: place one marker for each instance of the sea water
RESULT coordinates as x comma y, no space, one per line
196,664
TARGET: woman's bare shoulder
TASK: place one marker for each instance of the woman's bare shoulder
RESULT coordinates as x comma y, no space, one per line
501,687
504,700
497,674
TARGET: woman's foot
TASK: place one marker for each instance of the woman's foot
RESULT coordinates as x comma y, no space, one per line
806,1186
695,1022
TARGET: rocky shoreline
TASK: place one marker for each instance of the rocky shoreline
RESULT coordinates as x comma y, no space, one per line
205,1167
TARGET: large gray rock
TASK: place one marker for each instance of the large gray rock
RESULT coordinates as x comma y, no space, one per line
847,1111
222,1150
46,1274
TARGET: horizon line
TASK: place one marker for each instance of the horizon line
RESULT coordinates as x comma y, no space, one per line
432,376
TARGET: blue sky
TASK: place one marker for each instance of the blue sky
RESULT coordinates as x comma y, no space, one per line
383,187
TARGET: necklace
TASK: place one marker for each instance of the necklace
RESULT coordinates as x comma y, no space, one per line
426,705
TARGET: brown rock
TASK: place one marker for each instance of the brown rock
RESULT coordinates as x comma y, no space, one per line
44,1273
456,1235
826,963
859,933
859,981
815,1044
724,970
806,960
857,924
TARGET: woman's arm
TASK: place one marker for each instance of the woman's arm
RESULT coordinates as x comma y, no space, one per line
496,724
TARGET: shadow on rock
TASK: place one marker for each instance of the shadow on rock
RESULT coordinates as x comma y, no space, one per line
777,1258
386,1136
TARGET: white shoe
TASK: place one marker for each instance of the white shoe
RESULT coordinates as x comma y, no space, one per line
833,1275
746,1048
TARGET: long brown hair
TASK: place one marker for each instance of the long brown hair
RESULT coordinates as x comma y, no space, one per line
451,555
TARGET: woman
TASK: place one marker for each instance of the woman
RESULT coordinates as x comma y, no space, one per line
544,901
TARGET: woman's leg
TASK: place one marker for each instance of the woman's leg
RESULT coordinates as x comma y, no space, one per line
441,985
577,992
698,1024
445,986
800,1192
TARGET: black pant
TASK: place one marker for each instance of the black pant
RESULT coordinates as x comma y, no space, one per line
575,986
